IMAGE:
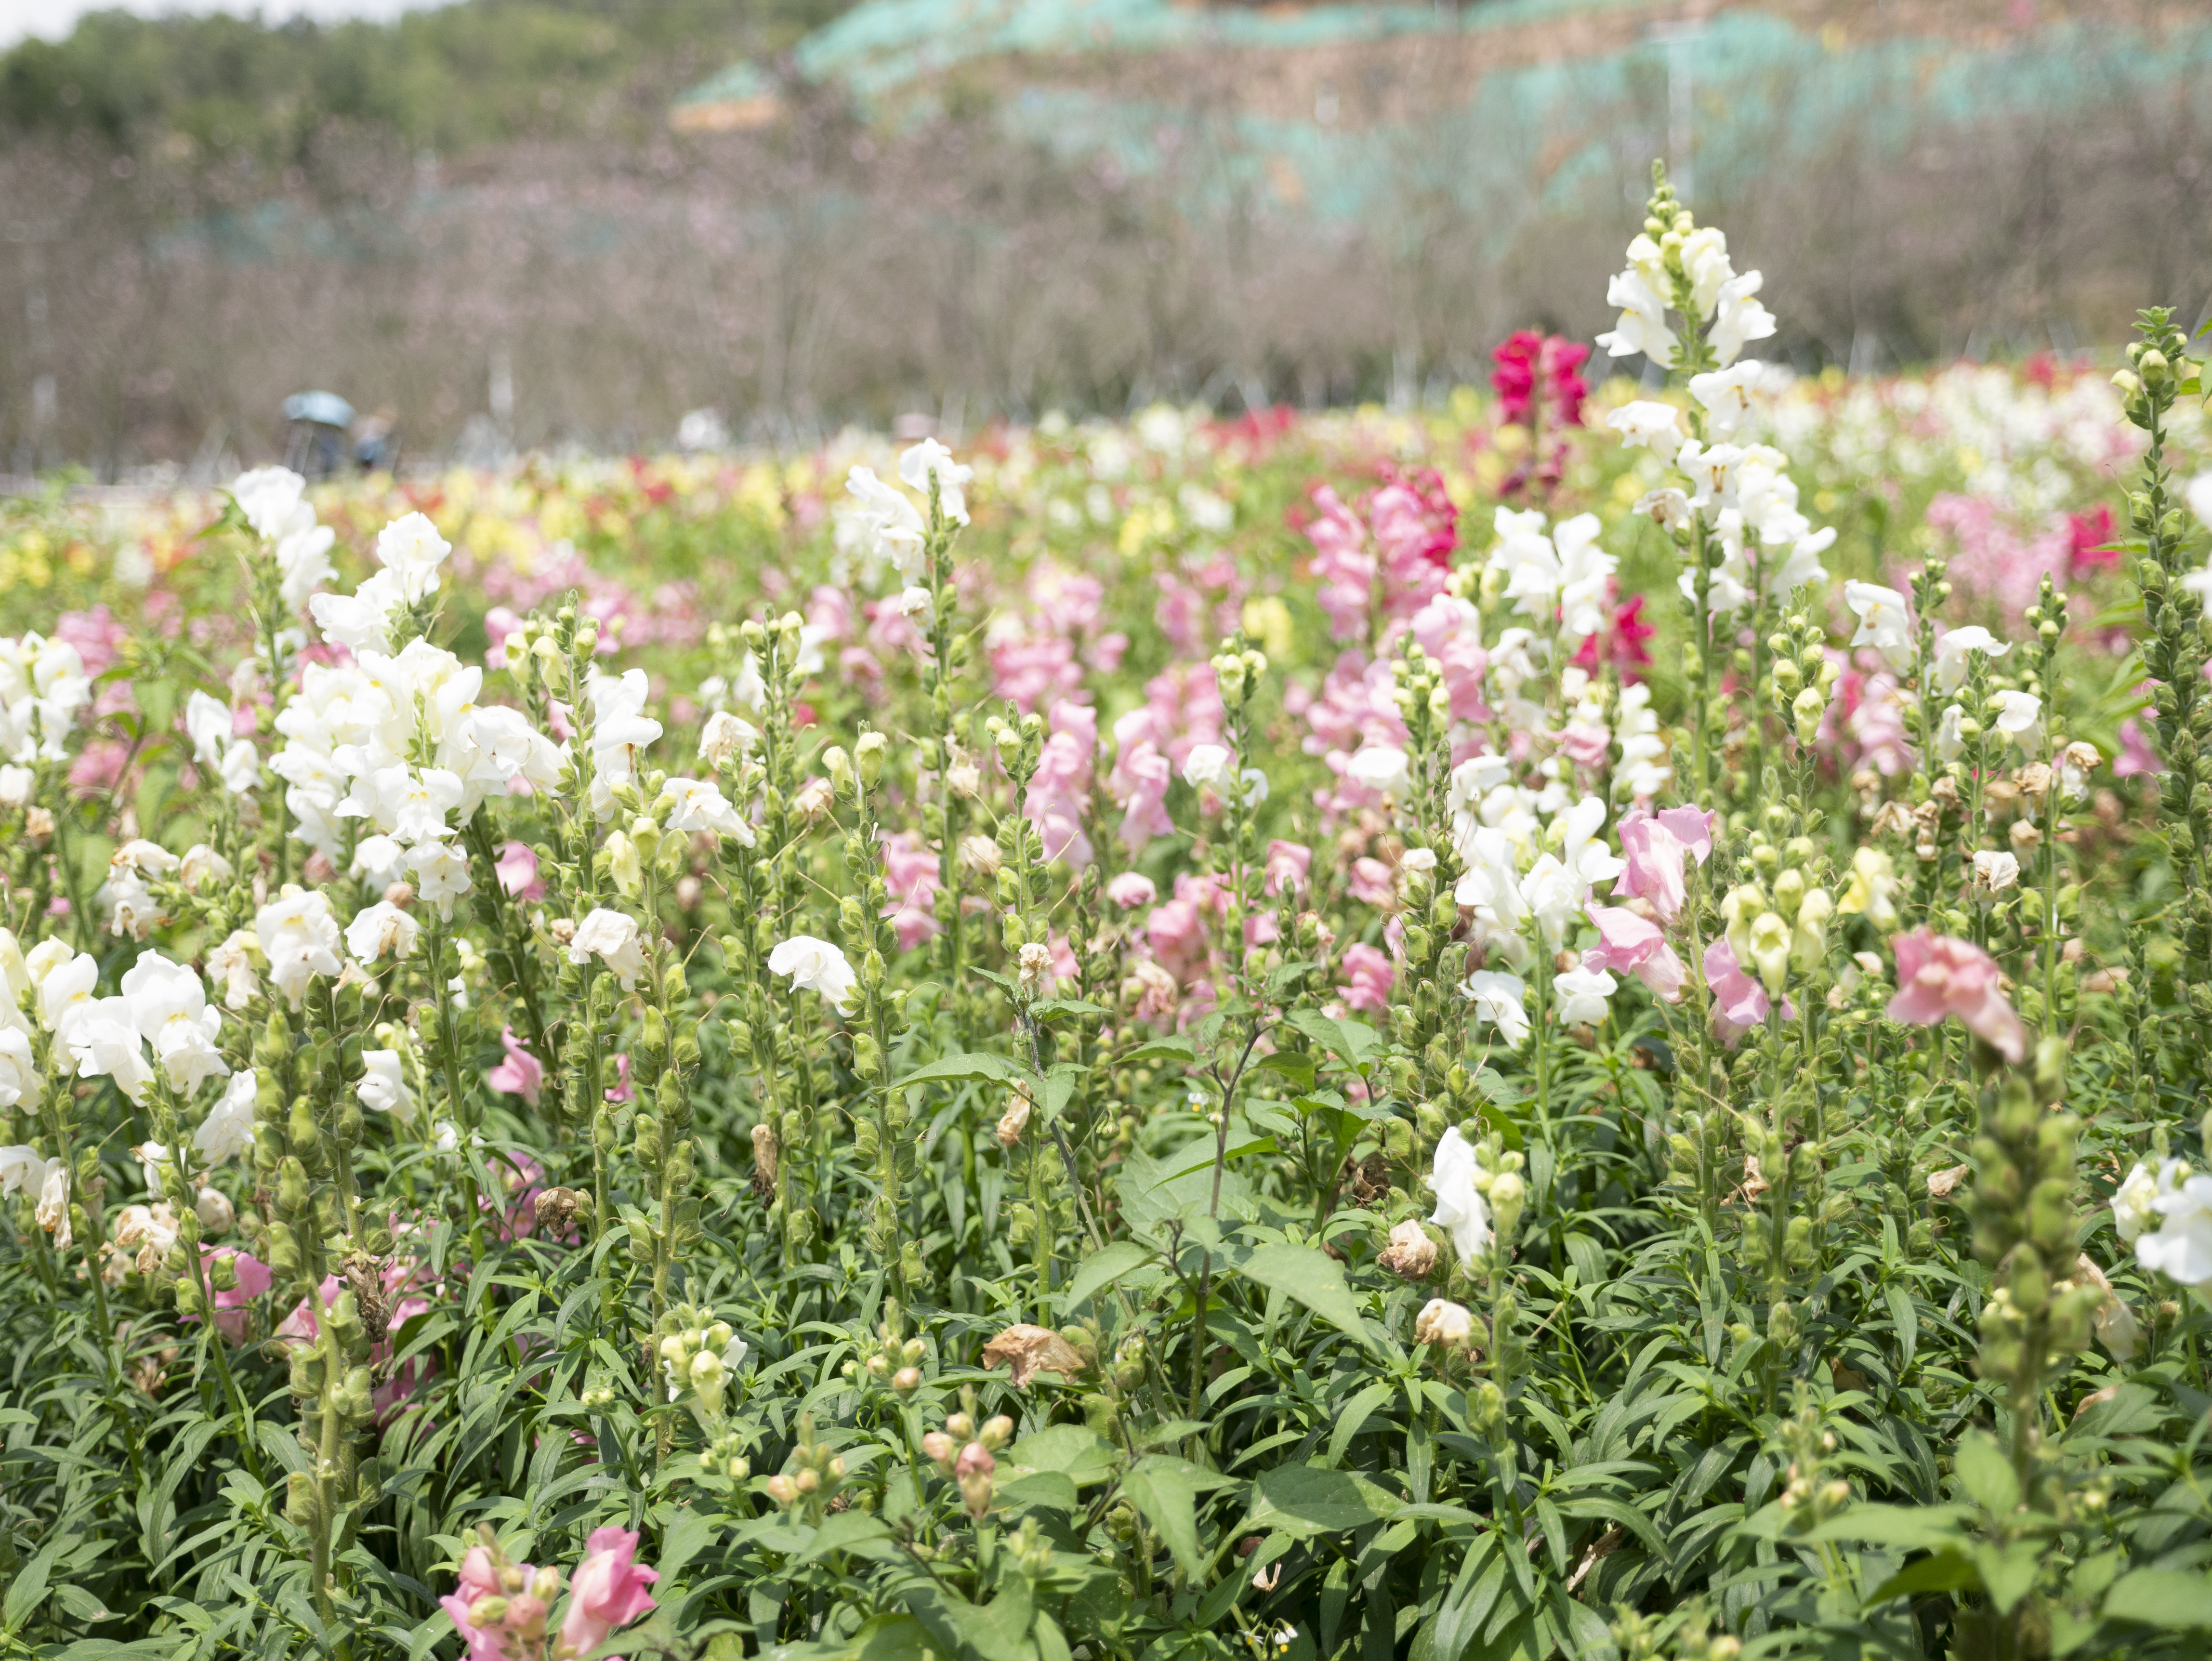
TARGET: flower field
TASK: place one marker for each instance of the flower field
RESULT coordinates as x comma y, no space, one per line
1573,1024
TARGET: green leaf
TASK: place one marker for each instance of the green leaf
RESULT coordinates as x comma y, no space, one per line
1298,1069
1352,1417
1987,1475
1945,1570
29,1588
974,1064
1178,1048
1348,1040
847,1531
1066,1007
1075,1451
1305,1500
2161,1598
1312,1278
1905,1528
2008,1572
1101,1269
1907,1320
1059,1089
1166,1501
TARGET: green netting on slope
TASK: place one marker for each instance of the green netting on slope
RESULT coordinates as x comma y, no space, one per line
1535,137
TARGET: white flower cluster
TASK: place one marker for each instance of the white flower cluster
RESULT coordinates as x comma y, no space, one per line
1886,623
1565,573
889,524
1721,299
43,684
275,503
1742,493
2178,1201
1527,892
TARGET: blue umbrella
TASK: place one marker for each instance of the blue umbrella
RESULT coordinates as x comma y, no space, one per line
325,409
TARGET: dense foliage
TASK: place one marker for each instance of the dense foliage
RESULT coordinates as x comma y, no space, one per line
1340,1036
447,78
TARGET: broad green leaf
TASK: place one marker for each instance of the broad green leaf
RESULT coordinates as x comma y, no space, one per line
1167,1501
1060,1090
973,1064
1305,1500
1987,1475
1906,1528
1177,1049
2161,1598
1101,1269
1313,1277
1075,1451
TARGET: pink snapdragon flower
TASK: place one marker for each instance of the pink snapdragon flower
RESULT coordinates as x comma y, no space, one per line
232,1316
1740,1002
1654,847
1144,775
1059,793
910,875
1131,889
519,1074
1343,567
608,1591
1288,865
479,1579
1449,629
1636,946
1939,975
517,866
1370,975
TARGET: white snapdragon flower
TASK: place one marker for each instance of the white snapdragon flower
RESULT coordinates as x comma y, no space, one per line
128,901
891,523
1382,768
1885,623
1499,999
1527,559
1952,651
65,980
170,1008
383,1087
274,501
1639,292
1460,1208
16,783
1586,573
930,459
1706,263
226,1133
620,729
814,965
299,941
22,1170
613,937
691,807
230,966
2135,1207
2182,1248
725,737
1667,507
20,1078
1582,995
1649,424
101,1035
303,563
361,621
1582,848
411,548
1207,767
1951,733
379,931
1490,886
915,604
1725,395
2019,718
440,871
1740,318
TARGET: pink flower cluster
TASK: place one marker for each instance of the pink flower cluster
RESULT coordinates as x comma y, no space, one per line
502,1609
1181,710
911,875
1939,976
1062,789
1389,564
1539,378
